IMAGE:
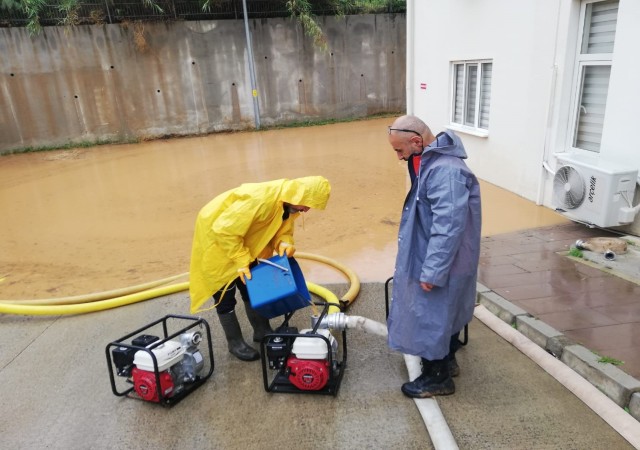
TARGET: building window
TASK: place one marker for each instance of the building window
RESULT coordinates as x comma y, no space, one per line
471,95
593,69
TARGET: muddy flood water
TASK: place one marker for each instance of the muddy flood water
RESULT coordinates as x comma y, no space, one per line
89,220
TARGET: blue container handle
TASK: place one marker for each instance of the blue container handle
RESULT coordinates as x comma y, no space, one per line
266,261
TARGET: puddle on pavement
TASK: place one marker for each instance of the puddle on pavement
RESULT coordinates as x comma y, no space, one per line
88,220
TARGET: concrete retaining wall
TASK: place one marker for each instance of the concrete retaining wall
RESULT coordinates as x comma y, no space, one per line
124,82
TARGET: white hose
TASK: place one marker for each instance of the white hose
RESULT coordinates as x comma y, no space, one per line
607,409
439,431
435,422
437,426
340,321
367,325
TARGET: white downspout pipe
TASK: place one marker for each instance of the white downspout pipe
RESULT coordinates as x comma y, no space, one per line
550,114
410,64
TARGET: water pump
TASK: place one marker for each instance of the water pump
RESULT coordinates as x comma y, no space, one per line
304,362
161,370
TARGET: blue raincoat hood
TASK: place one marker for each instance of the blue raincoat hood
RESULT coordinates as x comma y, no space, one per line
447,143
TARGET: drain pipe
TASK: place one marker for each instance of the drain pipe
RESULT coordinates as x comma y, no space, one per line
410,56
546,145
252,70
432,416
602,405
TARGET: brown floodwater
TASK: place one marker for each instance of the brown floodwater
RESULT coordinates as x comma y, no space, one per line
88,220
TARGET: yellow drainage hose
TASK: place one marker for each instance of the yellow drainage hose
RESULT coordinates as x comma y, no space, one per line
101,305
100,302
354,281
97,295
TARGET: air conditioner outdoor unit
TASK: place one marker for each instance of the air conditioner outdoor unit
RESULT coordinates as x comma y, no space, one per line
588,189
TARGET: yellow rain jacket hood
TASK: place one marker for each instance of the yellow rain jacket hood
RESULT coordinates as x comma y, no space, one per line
243,224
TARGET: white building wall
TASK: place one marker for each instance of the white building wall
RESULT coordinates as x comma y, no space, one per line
532,44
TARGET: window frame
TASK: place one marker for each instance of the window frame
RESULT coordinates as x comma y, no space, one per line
476,128
583,61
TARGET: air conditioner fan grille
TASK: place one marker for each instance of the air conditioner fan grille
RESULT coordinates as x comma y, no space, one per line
569,187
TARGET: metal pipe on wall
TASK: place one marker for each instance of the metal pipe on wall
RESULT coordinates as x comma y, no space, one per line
252,71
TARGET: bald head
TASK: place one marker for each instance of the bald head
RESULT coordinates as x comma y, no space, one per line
409,135
413,123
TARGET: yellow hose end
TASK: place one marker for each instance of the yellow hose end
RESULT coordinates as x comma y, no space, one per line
327,295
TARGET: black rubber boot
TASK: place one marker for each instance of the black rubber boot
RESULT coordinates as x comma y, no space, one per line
454,346
237,346
261,325
454,368
434,380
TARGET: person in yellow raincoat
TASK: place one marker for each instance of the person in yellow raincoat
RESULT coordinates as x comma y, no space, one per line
231,232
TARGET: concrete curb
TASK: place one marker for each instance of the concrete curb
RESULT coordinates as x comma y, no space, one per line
613,382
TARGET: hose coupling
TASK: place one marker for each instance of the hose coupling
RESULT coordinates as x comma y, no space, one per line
335,321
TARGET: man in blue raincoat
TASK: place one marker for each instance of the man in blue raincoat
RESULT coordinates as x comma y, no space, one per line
434,284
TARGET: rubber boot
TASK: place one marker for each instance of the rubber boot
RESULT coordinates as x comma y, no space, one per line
237,346
454,368
434,380
261,325
454,345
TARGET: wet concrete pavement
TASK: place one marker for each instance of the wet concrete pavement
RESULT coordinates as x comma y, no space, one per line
53,373
56,394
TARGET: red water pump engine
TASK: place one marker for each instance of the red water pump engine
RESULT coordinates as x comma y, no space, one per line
179,363
308,374
307,362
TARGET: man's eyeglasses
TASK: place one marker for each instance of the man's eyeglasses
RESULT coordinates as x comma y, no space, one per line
401,129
